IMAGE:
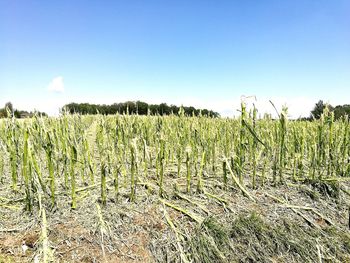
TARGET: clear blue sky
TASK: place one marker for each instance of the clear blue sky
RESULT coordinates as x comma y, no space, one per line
204,53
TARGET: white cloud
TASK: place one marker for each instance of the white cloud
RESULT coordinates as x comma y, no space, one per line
298,106
56,85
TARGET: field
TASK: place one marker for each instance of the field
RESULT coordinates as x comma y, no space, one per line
128,188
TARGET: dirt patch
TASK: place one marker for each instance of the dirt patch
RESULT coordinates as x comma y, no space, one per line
73,243
17,247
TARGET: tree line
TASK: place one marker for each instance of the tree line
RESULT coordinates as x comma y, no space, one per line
143,108
138,107
339,111
9,111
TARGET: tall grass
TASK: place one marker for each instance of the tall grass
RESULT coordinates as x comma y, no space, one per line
122,151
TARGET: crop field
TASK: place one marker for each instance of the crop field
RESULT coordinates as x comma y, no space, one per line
128,188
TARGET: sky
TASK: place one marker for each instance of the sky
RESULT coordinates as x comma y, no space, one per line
207,54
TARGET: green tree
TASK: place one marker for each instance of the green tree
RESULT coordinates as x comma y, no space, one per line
318,109
341,110
8,108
